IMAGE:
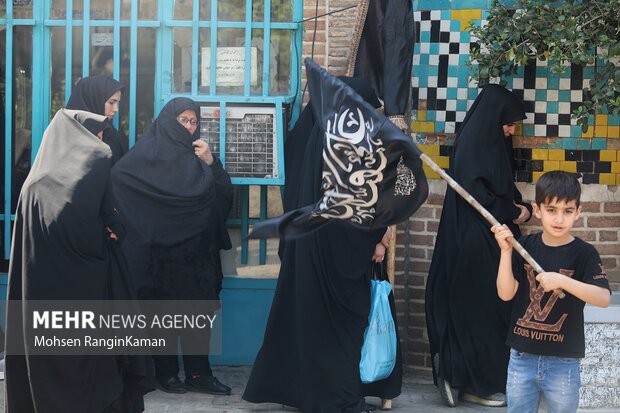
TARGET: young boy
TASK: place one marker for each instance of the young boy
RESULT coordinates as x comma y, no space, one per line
546,332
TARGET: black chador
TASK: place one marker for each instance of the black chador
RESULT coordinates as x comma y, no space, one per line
175,207
467,322
62,250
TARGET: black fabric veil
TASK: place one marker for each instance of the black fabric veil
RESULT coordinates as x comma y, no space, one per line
90,94
61,251
461,298
312,345
383,56
161,180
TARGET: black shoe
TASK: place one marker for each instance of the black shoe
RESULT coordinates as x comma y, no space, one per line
171,385
207,384
448,394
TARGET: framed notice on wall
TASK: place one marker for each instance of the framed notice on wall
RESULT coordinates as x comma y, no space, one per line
231,66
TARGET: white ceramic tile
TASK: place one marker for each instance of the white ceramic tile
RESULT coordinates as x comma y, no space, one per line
552,119
540,107
564,131
529,95
564,108
541,83
552,95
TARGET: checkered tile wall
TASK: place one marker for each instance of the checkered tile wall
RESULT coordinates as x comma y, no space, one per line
442,93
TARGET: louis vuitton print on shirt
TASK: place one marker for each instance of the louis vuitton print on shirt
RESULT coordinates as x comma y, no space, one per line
542,323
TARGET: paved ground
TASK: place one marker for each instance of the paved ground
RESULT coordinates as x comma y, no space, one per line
419,396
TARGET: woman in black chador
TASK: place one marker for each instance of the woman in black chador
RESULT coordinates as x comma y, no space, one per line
311,351
64,249
466,320
101,95
175,197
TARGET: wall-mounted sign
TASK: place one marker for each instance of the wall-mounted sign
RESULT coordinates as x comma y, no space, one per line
231,66
102,39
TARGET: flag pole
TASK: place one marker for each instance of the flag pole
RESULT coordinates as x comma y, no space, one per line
486,214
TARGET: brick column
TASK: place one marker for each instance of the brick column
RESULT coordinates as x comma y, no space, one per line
319,37
332,41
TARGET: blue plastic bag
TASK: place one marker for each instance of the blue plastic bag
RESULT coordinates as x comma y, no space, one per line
379,348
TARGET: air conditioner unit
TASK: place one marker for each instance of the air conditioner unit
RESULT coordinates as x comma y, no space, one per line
251,139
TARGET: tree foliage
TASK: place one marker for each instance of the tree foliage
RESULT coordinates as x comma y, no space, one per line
566,32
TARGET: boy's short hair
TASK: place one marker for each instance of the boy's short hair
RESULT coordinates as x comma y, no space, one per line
559,185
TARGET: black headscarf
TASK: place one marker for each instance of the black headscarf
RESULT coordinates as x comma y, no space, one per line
90,94
461,295
61,251
488,177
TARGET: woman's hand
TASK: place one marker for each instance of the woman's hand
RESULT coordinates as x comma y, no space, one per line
524,215
382,246
202,151
379,254
387,237
111,234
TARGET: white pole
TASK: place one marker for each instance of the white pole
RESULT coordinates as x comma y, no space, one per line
486,214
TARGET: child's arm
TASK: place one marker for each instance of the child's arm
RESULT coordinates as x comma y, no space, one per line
506,284
589,293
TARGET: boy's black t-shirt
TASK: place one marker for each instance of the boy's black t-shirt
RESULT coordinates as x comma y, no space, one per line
542,323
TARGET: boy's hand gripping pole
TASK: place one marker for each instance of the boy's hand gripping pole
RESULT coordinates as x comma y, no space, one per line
486,214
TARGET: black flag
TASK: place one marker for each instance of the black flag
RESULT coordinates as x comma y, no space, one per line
372,173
